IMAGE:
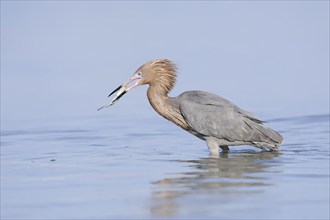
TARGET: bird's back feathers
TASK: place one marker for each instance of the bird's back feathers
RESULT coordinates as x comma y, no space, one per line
211,115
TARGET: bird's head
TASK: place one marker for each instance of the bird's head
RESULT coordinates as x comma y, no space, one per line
160,73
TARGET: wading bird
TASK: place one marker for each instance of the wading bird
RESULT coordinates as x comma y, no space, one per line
208,116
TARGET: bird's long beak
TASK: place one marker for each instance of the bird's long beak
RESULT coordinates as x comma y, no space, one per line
122,89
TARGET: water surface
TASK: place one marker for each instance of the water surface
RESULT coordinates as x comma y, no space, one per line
101,167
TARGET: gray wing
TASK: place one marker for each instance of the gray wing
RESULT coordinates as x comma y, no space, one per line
212,115
206,98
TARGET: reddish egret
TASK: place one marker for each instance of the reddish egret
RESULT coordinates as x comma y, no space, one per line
209,117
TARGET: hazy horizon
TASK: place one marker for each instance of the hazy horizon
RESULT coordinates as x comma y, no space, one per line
61,59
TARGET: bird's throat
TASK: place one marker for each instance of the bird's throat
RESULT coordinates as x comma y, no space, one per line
164,106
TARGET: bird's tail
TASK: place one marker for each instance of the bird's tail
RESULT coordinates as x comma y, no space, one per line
266,138
270,139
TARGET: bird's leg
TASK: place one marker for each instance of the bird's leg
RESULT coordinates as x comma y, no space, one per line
224,148
213,147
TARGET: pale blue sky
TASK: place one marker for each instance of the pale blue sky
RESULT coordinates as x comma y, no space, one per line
61,59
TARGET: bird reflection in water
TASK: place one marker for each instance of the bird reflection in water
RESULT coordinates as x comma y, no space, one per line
226,177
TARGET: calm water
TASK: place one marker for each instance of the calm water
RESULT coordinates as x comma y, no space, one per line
147,168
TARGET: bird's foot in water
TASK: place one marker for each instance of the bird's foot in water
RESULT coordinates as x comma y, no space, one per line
225,149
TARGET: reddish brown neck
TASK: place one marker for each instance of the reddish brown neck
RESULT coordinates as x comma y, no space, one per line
163,105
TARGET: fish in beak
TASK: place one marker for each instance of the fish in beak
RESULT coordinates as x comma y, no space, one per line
124,88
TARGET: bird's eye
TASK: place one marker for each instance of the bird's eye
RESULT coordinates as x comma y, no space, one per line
139,73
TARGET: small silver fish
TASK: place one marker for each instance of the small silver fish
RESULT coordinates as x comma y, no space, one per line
121,91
